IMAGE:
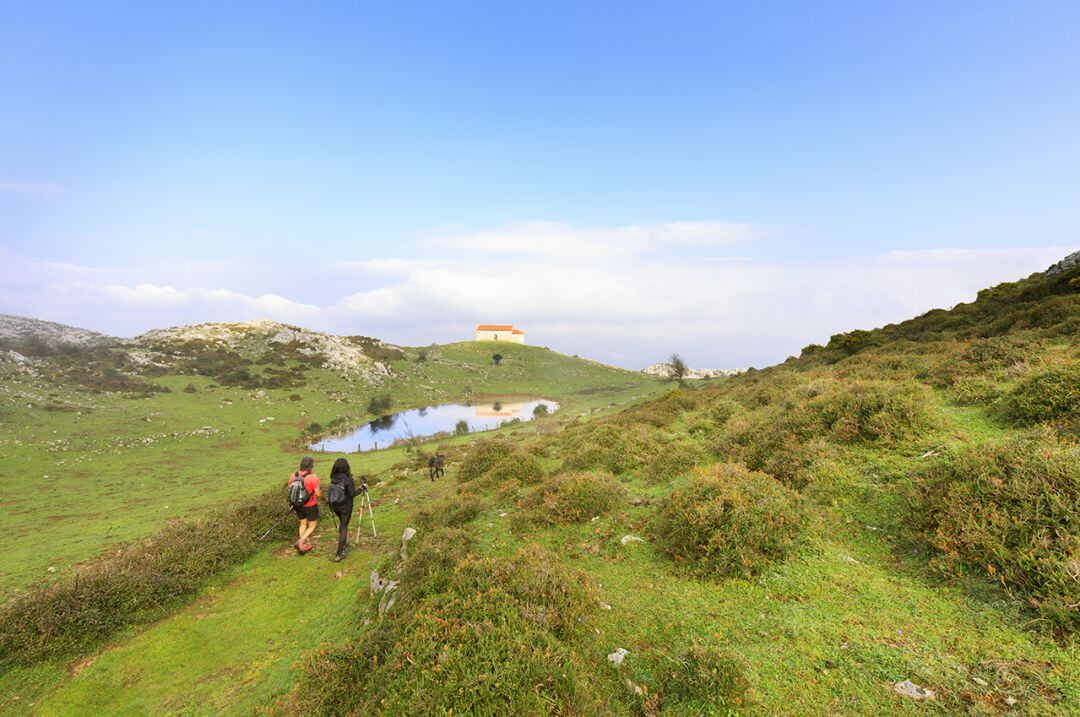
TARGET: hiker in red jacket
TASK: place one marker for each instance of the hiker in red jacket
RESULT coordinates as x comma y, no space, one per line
304,494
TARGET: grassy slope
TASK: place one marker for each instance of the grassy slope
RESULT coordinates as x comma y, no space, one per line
831,630
110,469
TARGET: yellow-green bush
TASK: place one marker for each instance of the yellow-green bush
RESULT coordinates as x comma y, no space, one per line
1009,509
482,457
616,448
499,636
871,410
671,459
704,679
729,521
575,496
516,467
451,513
1049,396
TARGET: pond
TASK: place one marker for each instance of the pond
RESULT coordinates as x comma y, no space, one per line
424,422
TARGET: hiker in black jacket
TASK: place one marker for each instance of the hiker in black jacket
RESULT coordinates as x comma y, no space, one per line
340,497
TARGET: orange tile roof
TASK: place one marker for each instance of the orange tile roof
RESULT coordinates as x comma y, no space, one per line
518,331
495,327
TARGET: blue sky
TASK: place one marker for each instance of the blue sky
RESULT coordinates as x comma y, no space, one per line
398,169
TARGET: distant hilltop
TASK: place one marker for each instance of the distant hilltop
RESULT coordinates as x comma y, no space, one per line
664,370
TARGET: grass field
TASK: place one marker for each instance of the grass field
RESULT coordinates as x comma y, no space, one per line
96,469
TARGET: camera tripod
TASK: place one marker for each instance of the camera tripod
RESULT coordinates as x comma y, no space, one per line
365,500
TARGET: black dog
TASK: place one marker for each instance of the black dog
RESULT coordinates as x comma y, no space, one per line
435,466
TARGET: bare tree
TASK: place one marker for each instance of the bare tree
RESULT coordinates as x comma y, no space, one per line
677,369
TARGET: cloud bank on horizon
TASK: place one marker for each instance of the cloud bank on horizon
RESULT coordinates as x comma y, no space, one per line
627,295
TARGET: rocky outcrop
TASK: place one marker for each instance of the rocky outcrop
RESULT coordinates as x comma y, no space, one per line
20,329
664,371
1070,262
341,354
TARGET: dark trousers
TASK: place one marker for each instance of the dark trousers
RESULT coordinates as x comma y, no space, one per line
344,514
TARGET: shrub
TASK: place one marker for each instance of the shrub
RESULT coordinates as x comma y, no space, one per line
873,410
540,410
452,513
434,555
573,497
994,353
727,520
498,636
1047,396
1009,509
380,405
671,459
482,457
131,586
516,466
703,680
970,390
190,388
461,428
722,409
616,448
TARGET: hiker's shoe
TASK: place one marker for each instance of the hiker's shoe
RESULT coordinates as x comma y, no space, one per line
305,547
337,558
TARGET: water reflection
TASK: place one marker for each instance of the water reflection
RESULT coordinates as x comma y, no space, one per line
427,421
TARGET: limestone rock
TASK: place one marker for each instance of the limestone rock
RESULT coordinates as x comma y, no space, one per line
616,658
1069,262
907,688
405,538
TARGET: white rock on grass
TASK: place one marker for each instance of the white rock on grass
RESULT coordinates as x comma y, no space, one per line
907,688
616,658
627,539
405,538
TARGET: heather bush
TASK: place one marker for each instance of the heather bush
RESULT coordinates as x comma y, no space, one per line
516,466
996,353
721,409
133,585
702,680
616,448
727,520
872,410
1009,509
573,497
482,457
671,459
434,554
1048,396
451,513
971,390
498,636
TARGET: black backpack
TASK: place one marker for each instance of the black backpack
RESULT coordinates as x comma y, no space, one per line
337,494
298,493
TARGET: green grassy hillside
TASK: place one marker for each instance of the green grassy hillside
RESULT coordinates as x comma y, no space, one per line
94,467
900,504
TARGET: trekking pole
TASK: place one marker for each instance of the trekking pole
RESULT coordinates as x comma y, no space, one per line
276,524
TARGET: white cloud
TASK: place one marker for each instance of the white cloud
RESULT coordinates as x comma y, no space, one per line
147,295
558,240
630,307
26,188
